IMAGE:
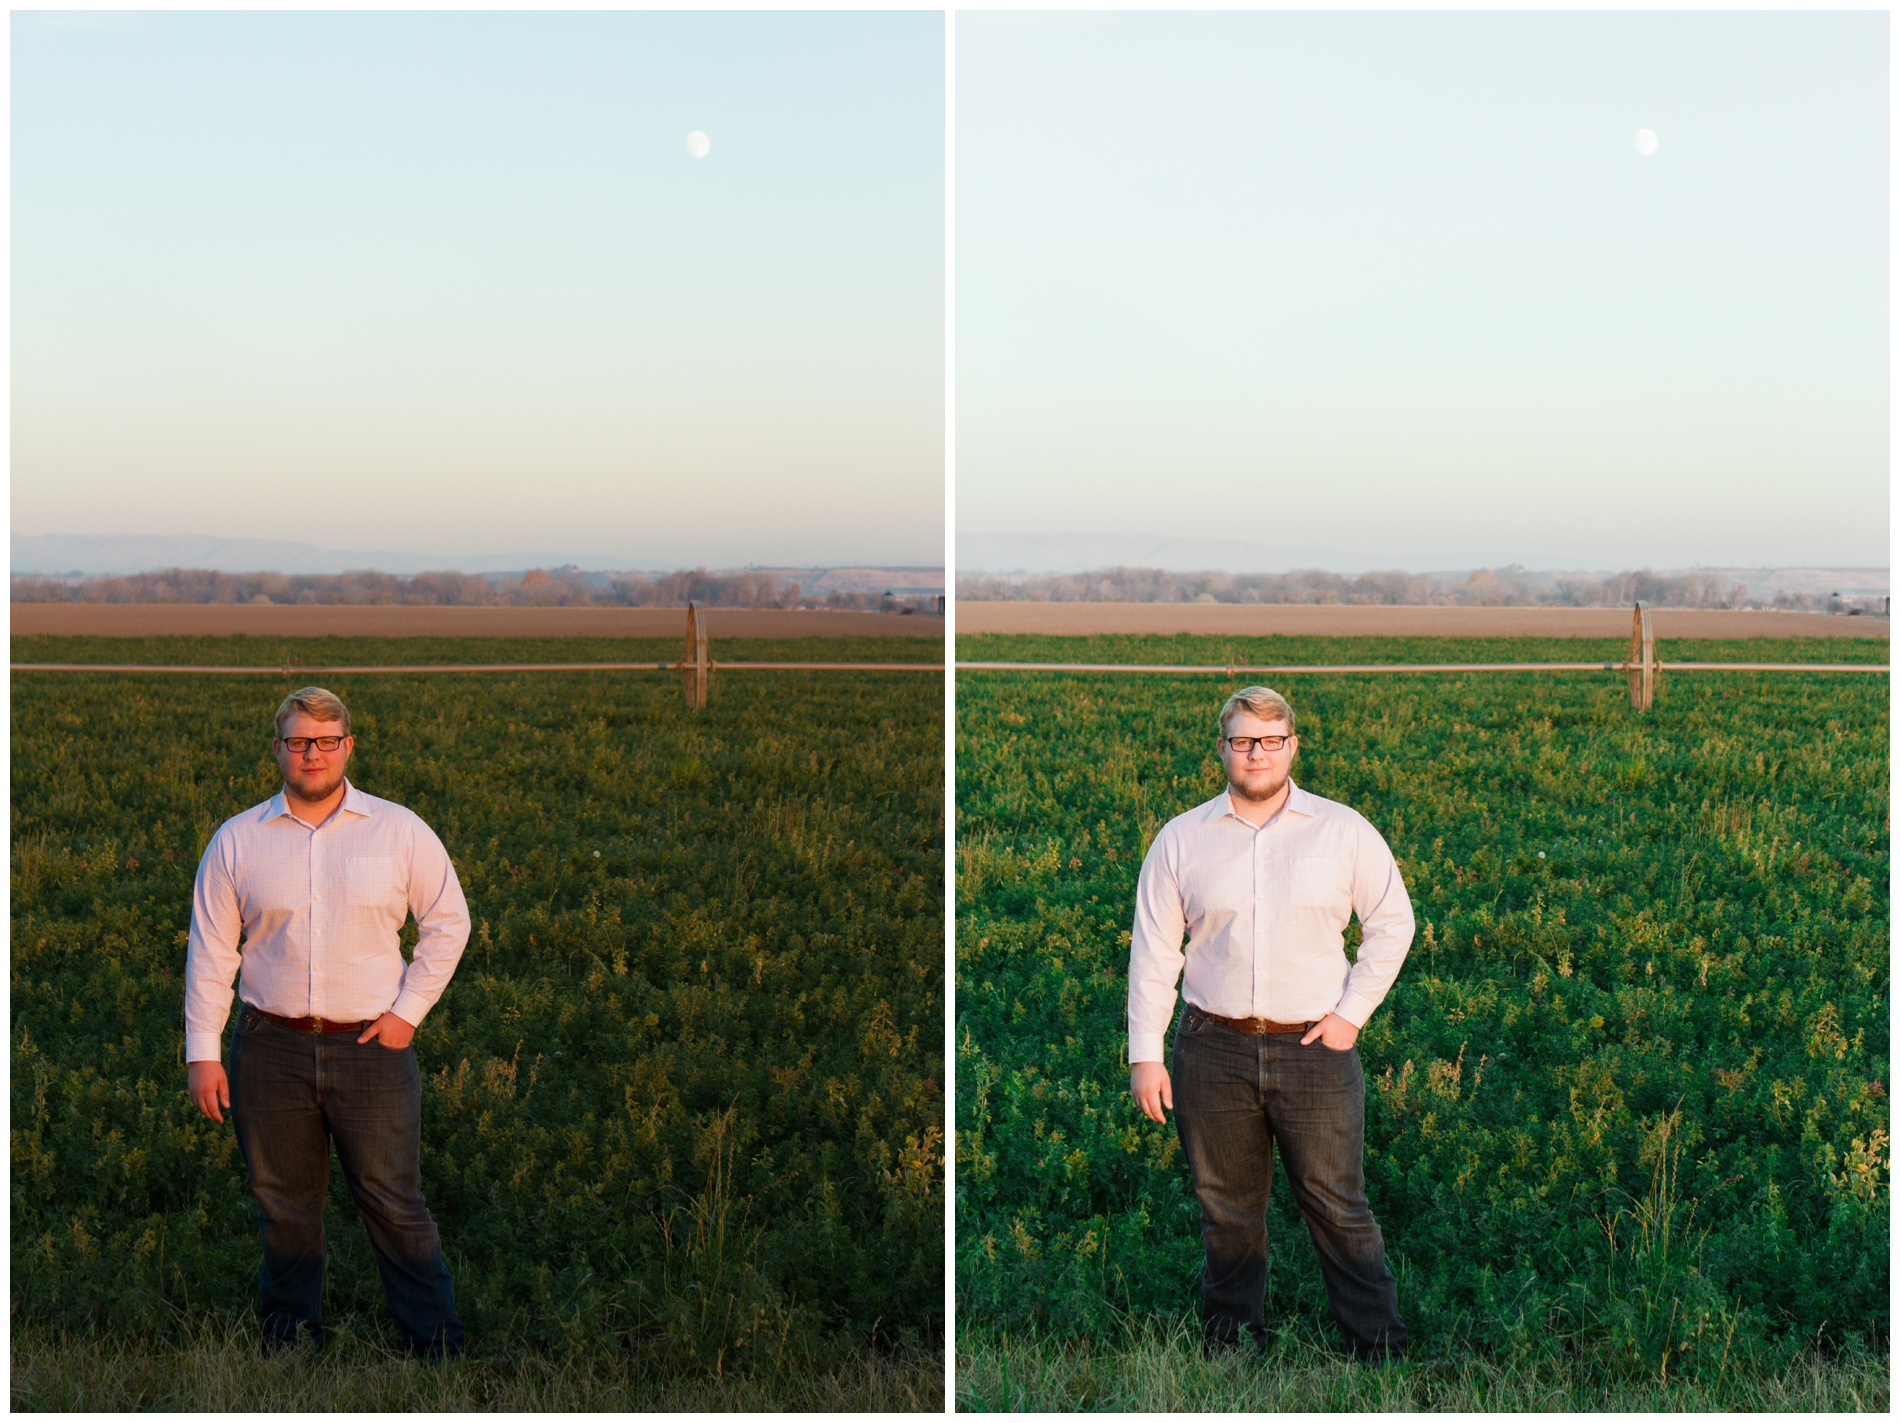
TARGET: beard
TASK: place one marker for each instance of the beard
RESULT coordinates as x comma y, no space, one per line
1263,790
318,788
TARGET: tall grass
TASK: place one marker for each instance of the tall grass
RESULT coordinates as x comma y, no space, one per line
212,1364
1156,1366
717,1337
1653,1337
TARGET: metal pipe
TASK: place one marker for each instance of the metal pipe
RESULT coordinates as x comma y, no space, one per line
484,667
1235,671
1230,671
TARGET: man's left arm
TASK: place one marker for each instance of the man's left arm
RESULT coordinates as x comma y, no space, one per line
435,898
1385,927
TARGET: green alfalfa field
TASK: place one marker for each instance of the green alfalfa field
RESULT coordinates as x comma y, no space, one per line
683,1124
1627,1106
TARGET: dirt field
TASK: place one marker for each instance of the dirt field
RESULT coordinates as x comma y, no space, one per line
229,619
1332,620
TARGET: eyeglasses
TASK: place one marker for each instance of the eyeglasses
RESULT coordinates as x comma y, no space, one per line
297,745
1244,744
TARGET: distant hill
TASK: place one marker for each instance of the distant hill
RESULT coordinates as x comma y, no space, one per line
67,554
1077,553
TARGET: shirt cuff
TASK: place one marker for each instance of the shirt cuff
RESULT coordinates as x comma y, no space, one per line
1146,1047
411,1008
1355,1009
203,1047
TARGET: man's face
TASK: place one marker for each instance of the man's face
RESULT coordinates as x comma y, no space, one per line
312,774
1259,774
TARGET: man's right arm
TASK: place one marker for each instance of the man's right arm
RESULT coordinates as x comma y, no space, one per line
1154,967
211,966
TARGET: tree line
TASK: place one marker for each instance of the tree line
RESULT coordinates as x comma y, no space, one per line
1512,586
538,587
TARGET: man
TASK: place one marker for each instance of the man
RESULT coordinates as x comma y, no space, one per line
318,881
1262,880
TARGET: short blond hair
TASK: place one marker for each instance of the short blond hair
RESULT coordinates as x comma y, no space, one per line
1263,702
316,702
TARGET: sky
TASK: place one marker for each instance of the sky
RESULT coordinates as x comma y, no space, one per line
452,283
1400,290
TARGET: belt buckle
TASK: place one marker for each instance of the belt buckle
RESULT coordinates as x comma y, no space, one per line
316,1024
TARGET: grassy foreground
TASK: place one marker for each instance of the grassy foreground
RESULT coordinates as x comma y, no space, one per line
213,1365
1158,1368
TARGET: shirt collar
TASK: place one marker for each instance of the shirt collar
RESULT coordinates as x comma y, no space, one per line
1298,802
354,801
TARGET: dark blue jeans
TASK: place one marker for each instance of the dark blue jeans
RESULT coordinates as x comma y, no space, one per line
1235,1098
292,1094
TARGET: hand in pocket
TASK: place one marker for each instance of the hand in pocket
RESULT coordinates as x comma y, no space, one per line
391,1032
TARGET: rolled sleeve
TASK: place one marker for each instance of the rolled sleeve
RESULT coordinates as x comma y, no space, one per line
1155,955
211,954
1386,927
442,924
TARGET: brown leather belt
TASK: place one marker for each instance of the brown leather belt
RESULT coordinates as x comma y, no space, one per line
315,1025
1254,1027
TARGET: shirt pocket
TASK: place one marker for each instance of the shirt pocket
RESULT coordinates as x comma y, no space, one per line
1317,882
369,880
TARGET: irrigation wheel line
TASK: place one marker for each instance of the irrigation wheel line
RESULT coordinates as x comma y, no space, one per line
1641,666
695,668
298,669
1236,670
293,669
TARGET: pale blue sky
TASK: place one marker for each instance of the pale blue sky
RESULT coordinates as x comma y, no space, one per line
451,283
1399,288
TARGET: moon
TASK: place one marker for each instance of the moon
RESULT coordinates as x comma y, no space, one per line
1646,142
699,145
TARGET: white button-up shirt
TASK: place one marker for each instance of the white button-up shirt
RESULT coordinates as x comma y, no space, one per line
319,909
1265,913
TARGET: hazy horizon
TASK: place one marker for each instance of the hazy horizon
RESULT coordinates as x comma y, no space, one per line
1013,553
106,556
448,282
1057,556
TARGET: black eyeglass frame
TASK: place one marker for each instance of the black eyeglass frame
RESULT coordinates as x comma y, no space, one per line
296,745
1233,743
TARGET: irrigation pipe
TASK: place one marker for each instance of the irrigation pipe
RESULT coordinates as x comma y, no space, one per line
298,669
695,668
1641,666
1236,670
